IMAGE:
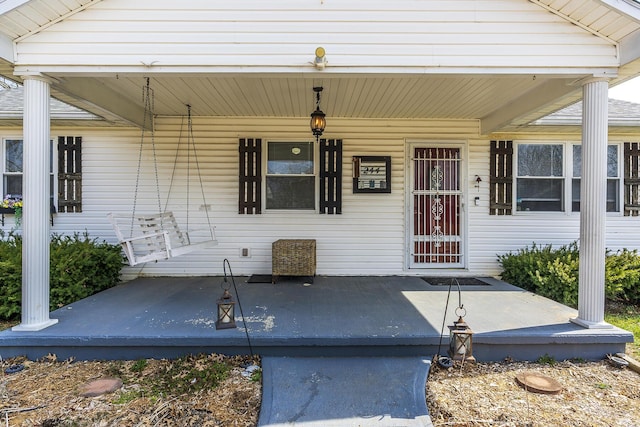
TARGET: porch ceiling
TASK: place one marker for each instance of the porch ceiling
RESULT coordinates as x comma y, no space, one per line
347,96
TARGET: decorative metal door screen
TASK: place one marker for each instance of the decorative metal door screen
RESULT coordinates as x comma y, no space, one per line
436,200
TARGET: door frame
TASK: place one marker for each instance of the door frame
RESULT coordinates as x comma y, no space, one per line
410,146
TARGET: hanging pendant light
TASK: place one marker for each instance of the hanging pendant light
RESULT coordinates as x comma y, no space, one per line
318,121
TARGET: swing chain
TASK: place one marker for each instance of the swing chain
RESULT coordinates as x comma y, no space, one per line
149,105
190,144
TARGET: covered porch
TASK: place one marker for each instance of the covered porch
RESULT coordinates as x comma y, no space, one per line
333,316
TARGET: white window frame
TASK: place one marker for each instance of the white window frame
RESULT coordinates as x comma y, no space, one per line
52,172
567,177
516,177
265,175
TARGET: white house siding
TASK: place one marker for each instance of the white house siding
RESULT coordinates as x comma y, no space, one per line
368,238
491,235
429,34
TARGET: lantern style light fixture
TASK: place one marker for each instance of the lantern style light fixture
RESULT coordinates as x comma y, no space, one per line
461,338
226,308
318,121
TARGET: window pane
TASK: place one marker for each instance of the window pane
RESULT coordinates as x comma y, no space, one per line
539,194
51,157
293,158
13,168
13,185
612,161
575,195
612,195
539,160
290,192
577,161
13,162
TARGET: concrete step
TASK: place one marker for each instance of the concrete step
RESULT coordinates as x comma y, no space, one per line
344,392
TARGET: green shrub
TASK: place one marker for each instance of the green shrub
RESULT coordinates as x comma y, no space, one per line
555,273
79,267
622,276
10,275
558,279
520,268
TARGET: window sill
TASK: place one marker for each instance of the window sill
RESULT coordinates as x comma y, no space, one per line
291,211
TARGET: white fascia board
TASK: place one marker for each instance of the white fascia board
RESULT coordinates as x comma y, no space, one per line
628,8
308,71
9,5
7,51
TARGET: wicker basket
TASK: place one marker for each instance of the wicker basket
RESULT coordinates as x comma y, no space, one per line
293,257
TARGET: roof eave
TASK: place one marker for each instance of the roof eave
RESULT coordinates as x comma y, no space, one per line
629,8
9,5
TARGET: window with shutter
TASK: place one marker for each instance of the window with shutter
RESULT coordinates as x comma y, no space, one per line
69,174
290,176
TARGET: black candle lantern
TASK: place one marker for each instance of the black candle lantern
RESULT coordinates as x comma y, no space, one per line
461,339
226,309
318,120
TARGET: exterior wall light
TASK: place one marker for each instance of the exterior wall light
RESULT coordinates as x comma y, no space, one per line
321,61
318,121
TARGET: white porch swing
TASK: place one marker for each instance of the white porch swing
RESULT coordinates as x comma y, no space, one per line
148,237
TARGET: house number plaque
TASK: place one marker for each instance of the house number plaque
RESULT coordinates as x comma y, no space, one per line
372,174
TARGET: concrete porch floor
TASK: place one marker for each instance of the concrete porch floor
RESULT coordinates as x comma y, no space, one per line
333,316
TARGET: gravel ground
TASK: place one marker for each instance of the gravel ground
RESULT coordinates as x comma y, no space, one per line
47,393
155,393
487,394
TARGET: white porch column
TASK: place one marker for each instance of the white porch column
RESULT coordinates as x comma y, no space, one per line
593,206
36,209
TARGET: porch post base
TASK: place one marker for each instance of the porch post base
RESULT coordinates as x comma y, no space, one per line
34,327
591,325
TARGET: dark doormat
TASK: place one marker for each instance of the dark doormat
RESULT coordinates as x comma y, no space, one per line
259,278
454,281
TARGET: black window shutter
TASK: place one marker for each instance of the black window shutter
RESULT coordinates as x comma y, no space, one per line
250,176
501,178
331,176
70,174
631,179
